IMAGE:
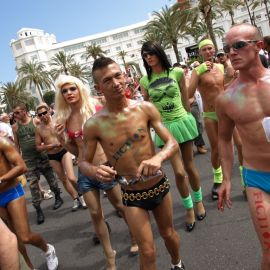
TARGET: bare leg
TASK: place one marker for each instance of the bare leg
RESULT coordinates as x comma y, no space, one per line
259,205
182,185
68,167
192,172
92,199
9,256
114,196
211,128
164,219
19,220
60,172
142,231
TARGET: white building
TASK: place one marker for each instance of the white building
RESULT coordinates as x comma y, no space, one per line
35,44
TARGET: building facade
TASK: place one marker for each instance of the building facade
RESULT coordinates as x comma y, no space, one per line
37,45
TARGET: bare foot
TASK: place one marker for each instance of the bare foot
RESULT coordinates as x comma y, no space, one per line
111,261
190,216
201,213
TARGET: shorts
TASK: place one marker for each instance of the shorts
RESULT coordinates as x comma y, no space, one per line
210,115
257,179
10,195
147,199
58,156
86,184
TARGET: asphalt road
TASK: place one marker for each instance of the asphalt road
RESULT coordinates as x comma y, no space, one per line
222,241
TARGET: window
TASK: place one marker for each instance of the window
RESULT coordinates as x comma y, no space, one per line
129,45
120,35
138,31
107,51
99,41
139,42
18,46
29,42
118,48
243,9
34,58
169,58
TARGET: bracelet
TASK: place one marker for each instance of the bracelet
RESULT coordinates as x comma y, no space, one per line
202,68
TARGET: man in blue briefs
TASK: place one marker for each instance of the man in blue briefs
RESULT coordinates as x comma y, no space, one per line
245,104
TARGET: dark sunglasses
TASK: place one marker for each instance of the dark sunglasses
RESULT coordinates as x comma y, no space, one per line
43,113
71,89
145,54
238,45
220,55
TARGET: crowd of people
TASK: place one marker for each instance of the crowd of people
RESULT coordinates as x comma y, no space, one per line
227,94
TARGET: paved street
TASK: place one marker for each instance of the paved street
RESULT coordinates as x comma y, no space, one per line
221,241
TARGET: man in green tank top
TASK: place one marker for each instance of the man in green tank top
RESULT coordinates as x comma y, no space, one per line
36,162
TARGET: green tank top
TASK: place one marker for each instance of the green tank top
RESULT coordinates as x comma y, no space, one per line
164,92
26,138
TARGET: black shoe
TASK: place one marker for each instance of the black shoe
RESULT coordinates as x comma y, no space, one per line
179,268
200,217
215,191
190,227
40,215
58,202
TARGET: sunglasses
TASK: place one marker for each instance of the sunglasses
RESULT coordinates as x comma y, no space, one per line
43,113
145,54
220,55
238,45
71,89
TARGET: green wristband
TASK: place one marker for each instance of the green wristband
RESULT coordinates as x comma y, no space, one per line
201,69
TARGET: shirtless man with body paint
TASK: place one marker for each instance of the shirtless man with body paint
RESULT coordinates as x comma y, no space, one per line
208,78
59,158
122,129
245,104
13,204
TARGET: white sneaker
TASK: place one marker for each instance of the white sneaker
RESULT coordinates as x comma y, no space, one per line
51,259
82,202
47,194
76,205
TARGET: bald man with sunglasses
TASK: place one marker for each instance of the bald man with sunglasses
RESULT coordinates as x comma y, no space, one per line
245,105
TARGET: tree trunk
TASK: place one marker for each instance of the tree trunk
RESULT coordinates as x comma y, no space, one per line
267,11
39,92
249,13
175,49
231,14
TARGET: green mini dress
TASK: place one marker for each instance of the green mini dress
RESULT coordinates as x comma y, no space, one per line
164,92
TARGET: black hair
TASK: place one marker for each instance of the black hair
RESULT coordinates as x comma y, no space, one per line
100,63
154,47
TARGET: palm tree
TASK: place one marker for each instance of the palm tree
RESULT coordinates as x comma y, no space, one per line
229,6
94,51
35,73
123,54
199,30
249,8
82,72
12,92
154,35
167,24
191,16
262,2
60,63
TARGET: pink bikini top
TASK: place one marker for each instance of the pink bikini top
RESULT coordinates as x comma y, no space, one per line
74,135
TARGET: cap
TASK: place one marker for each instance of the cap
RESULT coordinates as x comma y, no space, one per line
220,52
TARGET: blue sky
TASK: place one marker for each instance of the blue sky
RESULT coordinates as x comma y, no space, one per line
66,19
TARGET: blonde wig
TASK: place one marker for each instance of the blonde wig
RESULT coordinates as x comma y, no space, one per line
62,108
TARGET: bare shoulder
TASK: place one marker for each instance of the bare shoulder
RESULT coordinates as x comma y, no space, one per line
5,143
146,106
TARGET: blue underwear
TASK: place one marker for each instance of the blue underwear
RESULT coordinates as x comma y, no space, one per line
257,179
10,195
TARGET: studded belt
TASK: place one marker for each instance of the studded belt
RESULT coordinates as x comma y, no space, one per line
150,193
